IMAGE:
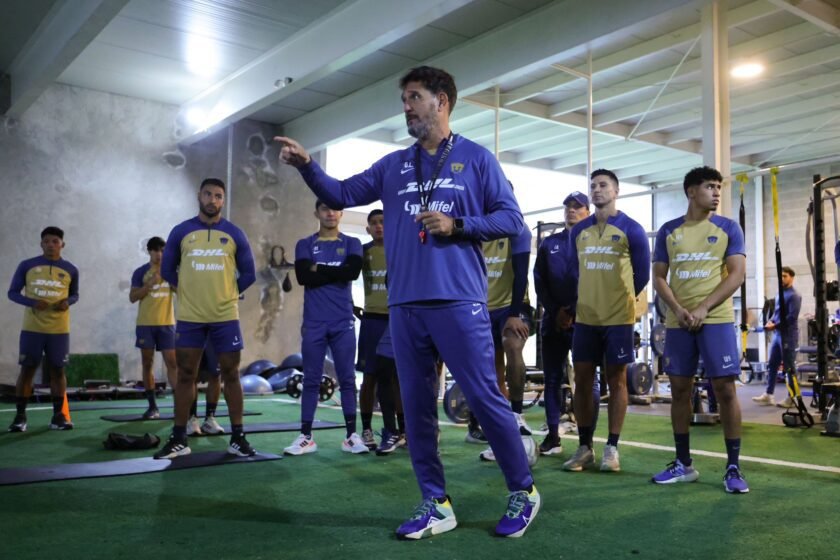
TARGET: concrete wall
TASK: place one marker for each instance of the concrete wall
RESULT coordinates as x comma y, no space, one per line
105,168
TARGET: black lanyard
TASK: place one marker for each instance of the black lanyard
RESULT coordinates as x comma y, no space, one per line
426,192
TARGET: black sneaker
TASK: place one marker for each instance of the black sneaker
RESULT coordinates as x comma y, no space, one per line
550,446
475,435
239,446
152,413
390,442
59,422
18,424
173,448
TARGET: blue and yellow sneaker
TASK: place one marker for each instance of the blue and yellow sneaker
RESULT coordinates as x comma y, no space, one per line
522,508
432,517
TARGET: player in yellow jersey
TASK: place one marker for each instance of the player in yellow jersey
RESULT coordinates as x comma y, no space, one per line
698,263
155,321
50,285
612,257
209,261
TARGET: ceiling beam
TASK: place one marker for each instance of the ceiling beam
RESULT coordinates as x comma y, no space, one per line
818,12
669,40
309,55
67,29
694,93
541,36
607,92
614,149
781,113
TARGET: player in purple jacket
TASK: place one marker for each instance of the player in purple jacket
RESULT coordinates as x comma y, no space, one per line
326,264
443,196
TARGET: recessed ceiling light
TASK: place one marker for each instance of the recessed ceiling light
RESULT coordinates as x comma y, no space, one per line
748,70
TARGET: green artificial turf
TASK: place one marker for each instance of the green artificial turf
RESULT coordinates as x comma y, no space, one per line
335,504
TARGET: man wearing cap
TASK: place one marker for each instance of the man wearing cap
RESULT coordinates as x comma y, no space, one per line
555,282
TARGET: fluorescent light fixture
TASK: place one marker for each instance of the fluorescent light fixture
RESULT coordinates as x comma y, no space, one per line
202,56
747,70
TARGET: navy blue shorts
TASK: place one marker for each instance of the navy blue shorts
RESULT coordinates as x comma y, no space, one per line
221,337
717,344
34,345
613,343
155,337
498,318
373,326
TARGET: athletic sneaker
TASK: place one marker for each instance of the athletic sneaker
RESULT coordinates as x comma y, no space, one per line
302,445
151,413
676,472
787,403
429,518
475,435
734,482
390,443
211,426
487,455
354,445
764,400
173,448
524,428
193,427
521,510
368,439
239,446
18,424
59,422
551,446
609,462
583,458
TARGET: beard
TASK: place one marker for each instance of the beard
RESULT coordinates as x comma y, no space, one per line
210,211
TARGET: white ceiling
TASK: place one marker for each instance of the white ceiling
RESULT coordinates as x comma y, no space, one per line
229,59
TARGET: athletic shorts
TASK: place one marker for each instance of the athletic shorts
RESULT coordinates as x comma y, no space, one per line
35,345
373,326
498,318
221,337
717,344
613,343
155,337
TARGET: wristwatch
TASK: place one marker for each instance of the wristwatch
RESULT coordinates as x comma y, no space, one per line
458,228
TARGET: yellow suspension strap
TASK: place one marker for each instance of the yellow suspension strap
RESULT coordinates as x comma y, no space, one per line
801,417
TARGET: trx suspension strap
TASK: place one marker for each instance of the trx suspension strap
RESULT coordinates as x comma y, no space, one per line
801,416
742,219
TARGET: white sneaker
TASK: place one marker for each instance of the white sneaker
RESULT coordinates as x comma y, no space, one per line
582,459
787,403
194,427
354,444
301,446
487,455
524,428
764,400
609,462
211,426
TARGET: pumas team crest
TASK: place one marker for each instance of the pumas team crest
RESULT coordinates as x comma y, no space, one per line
224,240
456,167
616,238
712,239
